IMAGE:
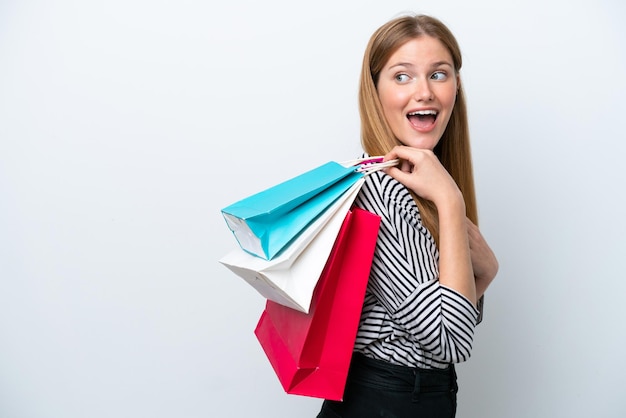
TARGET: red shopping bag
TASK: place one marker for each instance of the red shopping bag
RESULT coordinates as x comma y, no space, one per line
311,353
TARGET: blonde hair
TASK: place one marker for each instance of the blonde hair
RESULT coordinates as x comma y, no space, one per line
453,149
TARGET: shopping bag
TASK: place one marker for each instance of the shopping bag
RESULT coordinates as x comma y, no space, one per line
290,277
311,353
265,222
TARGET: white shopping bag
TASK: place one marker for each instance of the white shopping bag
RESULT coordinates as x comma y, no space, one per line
290,278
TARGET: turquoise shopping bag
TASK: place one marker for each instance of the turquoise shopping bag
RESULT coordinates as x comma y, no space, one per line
266,222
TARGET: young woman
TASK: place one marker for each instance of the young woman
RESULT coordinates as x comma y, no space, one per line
431,265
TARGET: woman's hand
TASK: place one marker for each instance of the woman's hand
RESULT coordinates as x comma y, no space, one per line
484,262
421,171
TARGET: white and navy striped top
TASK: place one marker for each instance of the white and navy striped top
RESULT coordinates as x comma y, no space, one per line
408,317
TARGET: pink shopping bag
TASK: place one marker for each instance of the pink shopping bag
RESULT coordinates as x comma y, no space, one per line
311,352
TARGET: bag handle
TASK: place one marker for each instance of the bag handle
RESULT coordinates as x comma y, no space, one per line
369,168
369,165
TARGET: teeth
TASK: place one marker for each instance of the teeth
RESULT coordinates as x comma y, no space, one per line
423,112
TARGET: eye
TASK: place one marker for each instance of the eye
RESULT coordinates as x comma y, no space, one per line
403,78
439,75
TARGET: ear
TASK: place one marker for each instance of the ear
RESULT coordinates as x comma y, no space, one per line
458,82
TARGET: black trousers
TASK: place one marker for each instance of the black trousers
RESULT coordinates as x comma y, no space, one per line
380,389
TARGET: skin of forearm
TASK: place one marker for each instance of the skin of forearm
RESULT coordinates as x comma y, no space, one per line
455,262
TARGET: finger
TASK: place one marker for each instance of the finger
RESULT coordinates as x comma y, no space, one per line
399,174
474,235
402,152
472,228
394,153
406,155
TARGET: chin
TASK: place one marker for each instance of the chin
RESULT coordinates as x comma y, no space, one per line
421,144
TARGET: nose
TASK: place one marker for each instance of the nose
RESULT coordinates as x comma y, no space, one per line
423,90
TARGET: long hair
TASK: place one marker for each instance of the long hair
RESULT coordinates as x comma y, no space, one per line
453,149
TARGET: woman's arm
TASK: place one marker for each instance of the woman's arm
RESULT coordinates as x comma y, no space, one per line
484,261
421,171
455,261
404,279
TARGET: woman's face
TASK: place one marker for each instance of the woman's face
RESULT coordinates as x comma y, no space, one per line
417,89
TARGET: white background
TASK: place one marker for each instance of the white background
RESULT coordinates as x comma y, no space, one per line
126,125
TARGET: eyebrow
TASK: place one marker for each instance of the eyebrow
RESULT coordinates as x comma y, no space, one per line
434,65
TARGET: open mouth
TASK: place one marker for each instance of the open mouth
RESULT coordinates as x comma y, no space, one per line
422,119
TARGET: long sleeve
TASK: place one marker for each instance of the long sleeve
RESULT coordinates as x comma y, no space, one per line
408,317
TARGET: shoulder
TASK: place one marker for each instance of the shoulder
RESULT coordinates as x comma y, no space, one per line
384,195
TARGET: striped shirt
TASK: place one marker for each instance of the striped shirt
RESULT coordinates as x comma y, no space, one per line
408,317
